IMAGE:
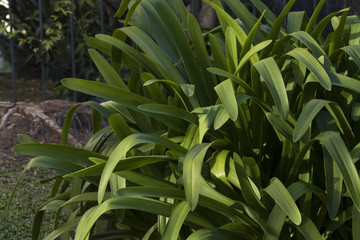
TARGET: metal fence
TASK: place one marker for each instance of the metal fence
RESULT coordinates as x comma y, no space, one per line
43,65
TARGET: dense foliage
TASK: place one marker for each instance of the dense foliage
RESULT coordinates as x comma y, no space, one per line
56,44
247,131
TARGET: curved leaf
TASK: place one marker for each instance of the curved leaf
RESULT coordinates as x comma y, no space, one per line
119,126
280,125
311,63
309,112
76,155
125,164
176,221
143,204
354,52
106,70
284,200
271,74
200,49
308,229
169,110
120,153
206,95
150,48
341,155
128,99
236,79
226,93
212,234
69,225
254,50
192,172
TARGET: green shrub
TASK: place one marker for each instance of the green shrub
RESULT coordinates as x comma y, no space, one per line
247,131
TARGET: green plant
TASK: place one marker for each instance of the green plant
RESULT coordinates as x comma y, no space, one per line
248,131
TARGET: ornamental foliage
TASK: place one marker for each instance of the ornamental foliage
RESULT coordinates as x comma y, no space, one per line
246,131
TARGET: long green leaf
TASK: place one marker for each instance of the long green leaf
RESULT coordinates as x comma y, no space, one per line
228,21
200,49
271,74
206,119
107,71
283,199
162,35
219,167
192,172
150,48
226,93
236,79
169,110
276,26
277,216
318,30
98,44
221,118
341,155
137,56
122,8
203,90
212,234
356,224
143,204
295,21
231,49
345,81
313,65
334,182
125,164
69,225
249,191
309,112
120,152
79,156
280,125
145,180
250,39
217,53
67,123
314,16
308,229
176,221
269,15
245,16
254,50
354,52
119,126
125,98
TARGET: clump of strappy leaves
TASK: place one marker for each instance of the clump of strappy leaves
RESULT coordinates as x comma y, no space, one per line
245,131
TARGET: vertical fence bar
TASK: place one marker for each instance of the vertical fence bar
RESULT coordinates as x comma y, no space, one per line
73,63
193,7
102,16
43,70
13,80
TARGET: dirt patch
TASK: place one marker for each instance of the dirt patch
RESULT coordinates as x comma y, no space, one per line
42,121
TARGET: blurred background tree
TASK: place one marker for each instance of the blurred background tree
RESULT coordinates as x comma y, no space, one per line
56,45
